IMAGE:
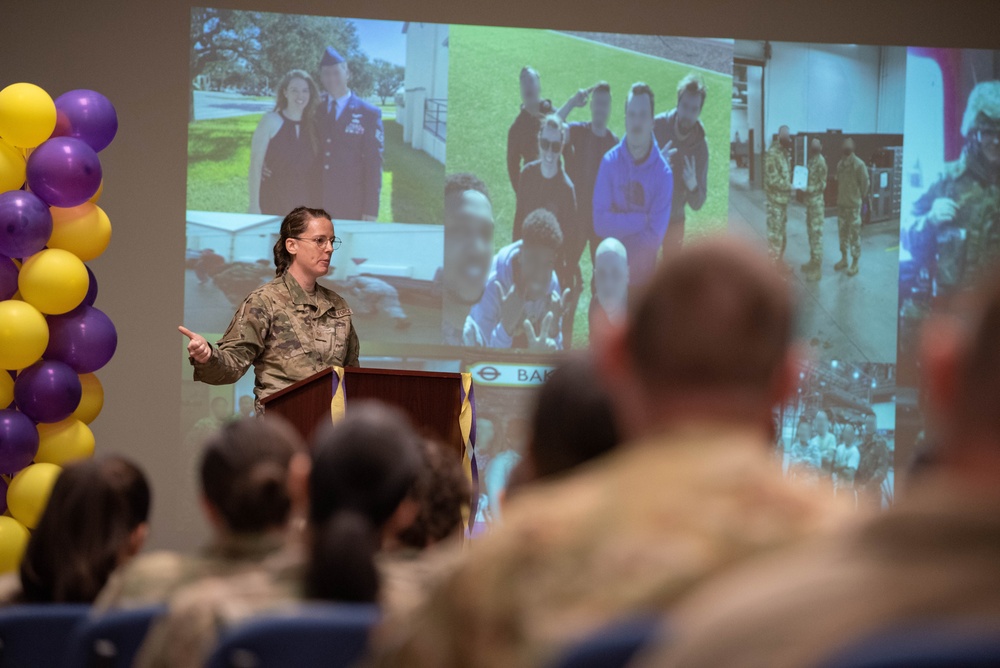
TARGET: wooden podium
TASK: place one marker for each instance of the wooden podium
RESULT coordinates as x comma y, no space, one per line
432,400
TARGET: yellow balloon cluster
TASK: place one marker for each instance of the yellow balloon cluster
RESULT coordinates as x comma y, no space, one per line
83,230
62,442
13,540
53,280
29,492
24,334
27,115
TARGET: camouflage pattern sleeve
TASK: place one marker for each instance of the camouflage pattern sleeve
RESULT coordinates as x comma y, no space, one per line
776,174
242,343
864,183
817,177
353,348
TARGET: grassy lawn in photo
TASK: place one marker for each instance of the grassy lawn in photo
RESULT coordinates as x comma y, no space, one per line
483,100
219,159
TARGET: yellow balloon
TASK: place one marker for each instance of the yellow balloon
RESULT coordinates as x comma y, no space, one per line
92,399
27,115
13,540
97,195
29,492
6,389
53,280
65,441
83,230
12,167
24,334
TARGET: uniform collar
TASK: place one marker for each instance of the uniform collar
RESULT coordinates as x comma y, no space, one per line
323,299
298,294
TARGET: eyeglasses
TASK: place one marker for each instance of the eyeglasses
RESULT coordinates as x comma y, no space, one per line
990,136
554,146
321,242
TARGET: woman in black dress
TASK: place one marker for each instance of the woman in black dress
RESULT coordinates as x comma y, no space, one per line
284,148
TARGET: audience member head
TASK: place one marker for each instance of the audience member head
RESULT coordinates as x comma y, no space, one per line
364,468
573,420
709,340
441,492
96,519
961,362
245,475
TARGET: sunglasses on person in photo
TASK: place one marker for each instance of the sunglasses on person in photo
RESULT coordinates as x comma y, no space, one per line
554,146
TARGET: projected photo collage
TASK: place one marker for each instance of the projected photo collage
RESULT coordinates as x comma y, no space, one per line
499,193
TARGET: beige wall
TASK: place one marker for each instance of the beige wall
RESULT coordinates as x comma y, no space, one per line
136,53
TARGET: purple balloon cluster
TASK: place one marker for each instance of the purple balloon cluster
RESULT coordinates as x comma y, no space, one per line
63,171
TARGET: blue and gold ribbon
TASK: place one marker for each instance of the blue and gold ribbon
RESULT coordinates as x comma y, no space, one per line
467,423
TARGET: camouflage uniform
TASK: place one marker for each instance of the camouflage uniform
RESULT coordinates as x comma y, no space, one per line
778,188
876,460
815,207
852,188
633,535
959,250
197,614
286,334
153,578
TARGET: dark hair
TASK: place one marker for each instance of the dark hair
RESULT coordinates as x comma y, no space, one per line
363,468
94,507
455,184
310,111
442,491
555,122
718,316
692,83
640,88
573,419
602,87
542,229
244,472
293,225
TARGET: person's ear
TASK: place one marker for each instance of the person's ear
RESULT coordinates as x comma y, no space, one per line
299,468
940,353
290,246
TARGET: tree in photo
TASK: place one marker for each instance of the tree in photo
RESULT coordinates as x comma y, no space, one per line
388,78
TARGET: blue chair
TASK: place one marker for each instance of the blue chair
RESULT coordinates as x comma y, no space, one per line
944,645
110,640
314,634
35,636
615,645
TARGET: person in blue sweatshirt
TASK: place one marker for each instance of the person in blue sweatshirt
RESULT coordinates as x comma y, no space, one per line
522,306
634,189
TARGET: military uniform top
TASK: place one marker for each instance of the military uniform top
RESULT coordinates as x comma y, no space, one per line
351,158
154,577
932,556
286,334
817,176
632,532
777,174
852,181
970,243
876,460
197,614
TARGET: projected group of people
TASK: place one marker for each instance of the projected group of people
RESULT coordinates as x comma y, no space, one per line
576,184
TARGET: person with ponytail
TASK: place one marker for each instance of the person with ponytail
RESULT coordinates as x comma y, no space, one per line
248,477
71,553
361,489
287,329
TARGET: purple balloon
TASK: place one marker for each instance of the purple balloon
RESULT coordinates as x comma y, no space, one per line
18,441
84,338
8,278
47,391
87,115
91,295
25,223
64,171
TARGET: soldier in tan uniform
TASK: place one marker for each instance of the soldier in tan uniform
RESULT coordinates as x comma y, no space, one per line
695,489
852,189
778,188
289,328
815,209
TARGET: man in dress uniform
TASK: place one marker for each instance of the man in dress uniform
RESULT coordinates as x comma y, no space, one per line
352,140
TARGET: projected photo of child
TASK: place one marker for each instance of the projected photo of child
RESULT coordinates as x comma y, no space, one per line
815,176
839,433
348,115
604,163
